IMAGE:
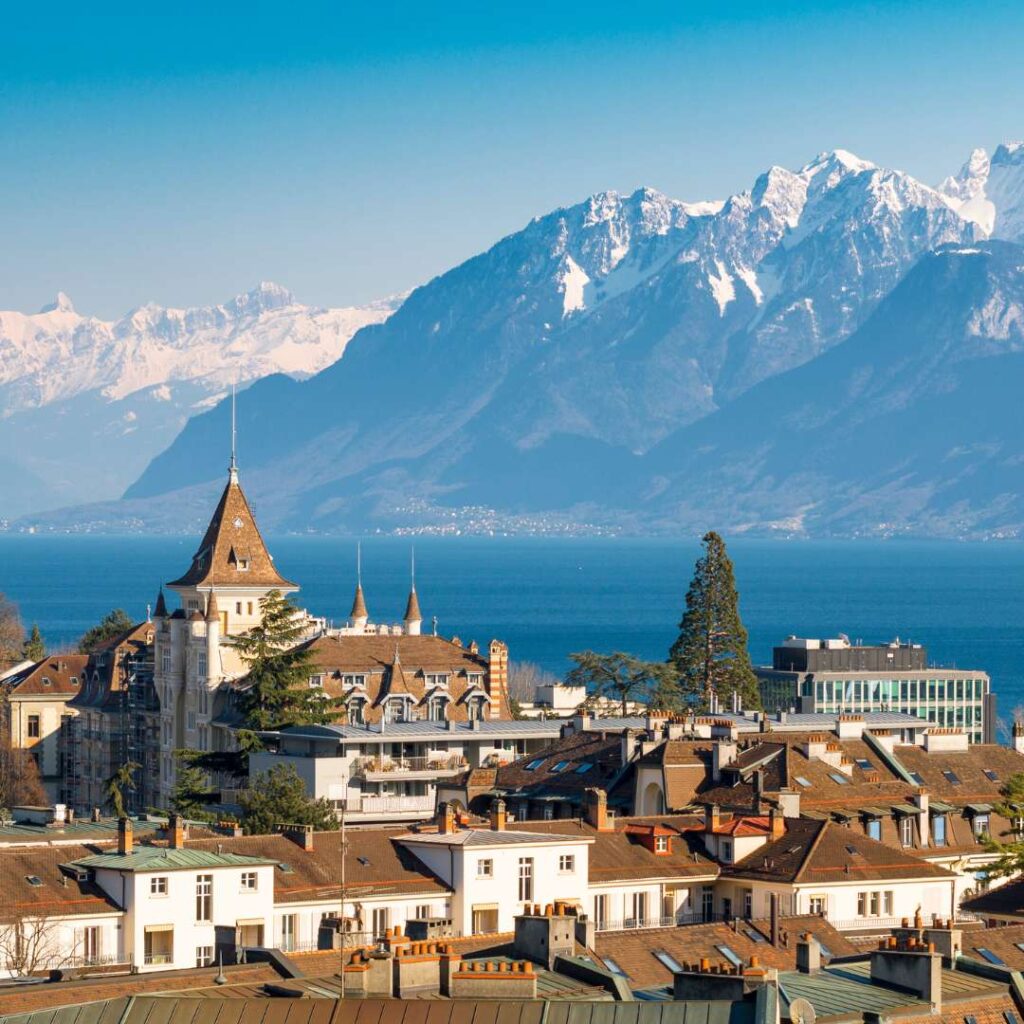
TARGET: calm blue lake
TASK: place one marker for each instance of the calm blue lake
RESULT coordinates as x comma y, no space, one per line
547,598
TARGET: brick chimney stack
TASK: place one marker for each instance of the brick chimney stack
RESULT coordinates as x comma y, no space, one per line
498,816
176,832
446,819
596,810
125,840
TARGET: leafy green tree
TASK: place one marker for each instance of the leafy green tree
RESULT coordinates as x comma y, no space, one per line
192,791
1009,854
711,653
34,648
118,784
625,678
113,624
279,797
277,691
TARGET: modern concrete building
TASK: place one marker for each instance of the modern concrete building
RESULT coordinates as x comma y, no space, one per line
836,676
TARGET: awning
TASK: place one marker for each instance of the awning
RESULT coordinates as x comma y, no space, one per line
158,928
906,809
845,815
249,922
938,807
979,808
875,812
484,906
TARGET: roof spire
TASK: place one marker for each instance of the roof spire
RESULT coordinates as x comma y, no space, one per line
160,612
413,615
233,466
359,615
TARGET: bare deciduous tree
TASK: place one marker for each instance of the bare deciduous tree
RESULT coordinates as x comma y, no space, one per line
19,776
12,633
523,679
30,943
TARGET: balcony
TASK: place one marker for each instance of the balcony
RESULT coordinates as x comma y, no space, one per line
153,959
381,769
637,923
404,805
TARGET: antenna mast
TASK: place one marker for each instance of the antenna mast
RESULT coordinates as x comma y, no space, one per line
233,467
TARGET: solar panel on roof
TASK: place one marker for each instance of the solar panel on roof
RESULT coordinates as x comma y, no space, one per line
560,766
584,768
533,765
992,958
668,960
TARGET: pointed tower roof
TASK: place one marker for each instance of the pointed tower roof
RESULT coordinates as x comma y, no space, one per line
212,611
160,612
396,685
412,607
232,551
359,605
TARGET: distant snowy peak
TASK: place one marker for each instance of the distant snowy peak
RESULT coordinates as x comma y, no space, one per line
58,353
990,193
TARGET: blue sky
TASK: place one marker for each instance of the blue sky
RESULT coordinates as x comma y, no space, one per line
349,151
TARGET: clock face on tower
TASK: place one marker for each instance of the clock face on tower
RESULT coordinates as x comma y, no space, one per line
238,523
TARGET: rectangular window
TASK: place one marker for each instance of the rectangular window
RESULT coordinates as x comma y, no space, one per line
874,828
204,898
423,911
748,904
316,682
601,911
381,921
873,904
980,825
907,830
939,830
887,903
661,844
525,879
485,920
817,905
33,727
201,664
238,607
567,863
639,909
485,868
158,945
288,932
204,956
91,944
158,885
250,881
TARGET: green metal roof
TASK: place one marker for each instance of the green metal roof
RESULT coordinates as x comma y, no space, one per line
942,808
906,809
152,858
979,808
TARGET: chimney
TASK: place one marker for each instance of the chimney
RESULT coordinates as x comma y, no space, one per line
789,803
758,806
95,814
773,916
176,832
300,835
446,819
498,816
723,753
1018,737
712,817
596,810
912,966
777,823
124,836
808,954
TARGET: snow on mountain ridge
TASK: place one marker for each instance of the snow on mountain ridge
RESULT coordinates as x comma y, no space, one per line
990,193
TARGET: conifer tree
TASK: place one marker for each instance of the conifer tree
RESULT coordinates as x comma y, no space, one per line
277,691
34,648
279,796
192,790
113,624
711,650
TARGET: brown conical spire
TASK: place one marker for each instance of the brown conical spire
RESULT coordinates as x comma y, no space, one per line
160,612
212,611
359,604
412,607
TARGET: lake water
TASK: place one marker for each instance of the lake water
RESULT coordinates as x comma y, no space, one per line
547,598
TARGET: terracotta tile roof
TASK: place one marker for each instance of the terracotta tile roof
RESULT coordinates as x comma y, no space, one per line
56,893
822,852
105,676
621,856
968,766
1006,900
231,541
58,676
984,1010
634,950
375,864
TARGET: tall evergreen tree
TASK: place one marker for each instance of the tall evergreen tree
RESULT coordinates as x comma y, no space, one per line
192,790
277,692
35,646
711,650
118,785
279,797
114,623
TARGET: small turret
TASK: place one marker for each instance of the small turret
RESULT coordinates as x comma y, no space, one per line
160,612
413,615
359,615
212,611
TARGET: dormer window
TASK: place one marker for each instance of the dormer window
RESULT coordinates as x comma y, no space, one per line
661,845
437,679
316,682
476,679
355,711
243,565
353,680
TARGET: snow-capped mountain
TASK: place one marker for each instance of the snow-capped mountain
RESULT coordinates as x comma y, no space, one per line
531,376
991,192
73,385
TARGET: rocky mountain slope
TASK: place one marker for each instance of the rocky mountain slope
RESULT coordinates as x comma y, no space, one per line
537,377
86,403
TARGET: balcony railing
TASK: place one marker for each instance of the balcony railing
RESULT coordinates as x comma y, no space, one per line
651,921
390,805
152,959
444,764
864,924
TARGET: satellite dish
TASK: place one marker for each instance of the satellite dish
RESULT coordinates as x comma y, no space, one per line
801,1012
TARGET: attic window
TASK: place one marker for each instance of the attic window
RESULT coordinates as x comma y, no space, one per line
754,935
852,850
534,765
803,782
74,680
584,768
560,766
661,844
33,880
1010,1017
285,869
730,956
992,958
864,764
365,861
614,967
668,960
970,1019
839,780
990,775
916,776
951,777
46,681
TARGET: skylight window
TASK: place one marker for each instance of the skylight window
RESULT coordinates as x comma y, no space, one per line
668,960
951,777
614,967
825,951
365,861
754,935
534,765
970,1019
33,880
990,775
560,766
730,956
1010,1017
864,764
803,782
839,780
992,958
584,768
285,869
916,776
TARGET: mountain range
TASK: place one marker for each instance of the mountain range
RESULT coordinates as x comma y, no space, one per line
833,350
74,387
